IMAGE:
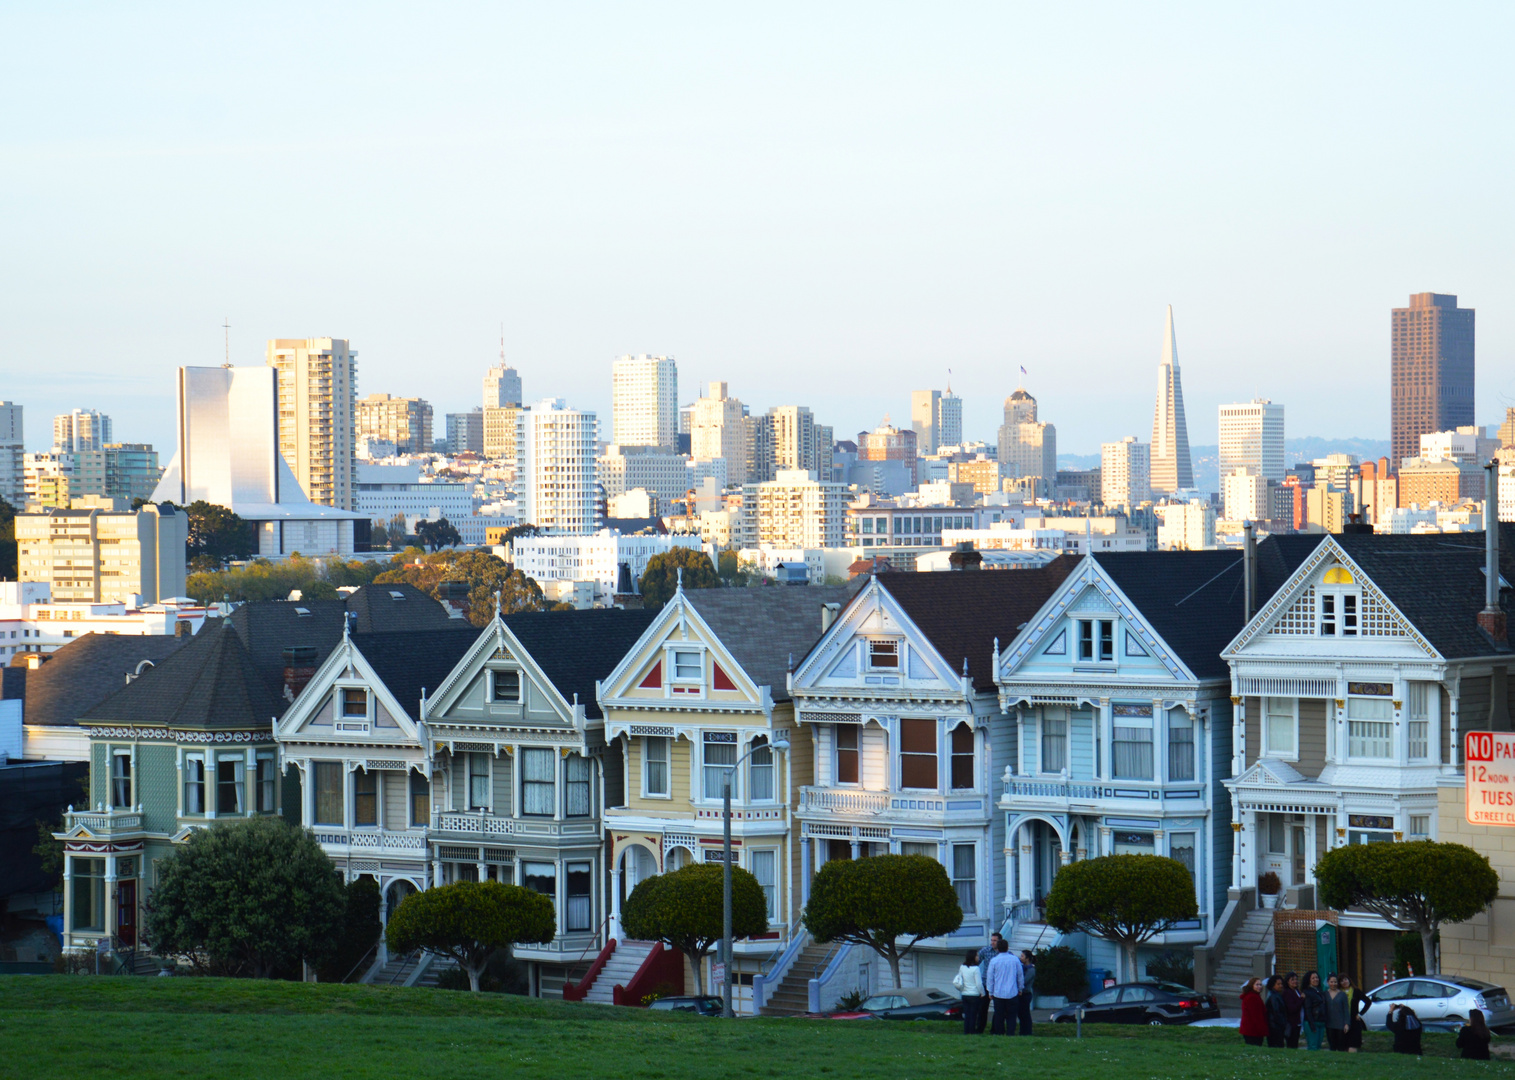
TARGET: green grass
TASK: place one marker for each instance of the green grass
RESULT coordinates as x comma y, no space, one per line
71,1026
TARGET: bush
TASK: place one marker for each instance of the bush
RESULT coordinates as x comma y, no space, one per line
1061,971
470,921
1173,965
1409,952
851,1000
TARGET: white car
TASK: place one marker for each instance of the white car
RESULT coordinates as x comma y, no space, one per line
1440,999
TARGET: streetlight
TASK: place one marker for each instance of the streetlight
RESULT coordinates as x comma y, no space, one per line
779,744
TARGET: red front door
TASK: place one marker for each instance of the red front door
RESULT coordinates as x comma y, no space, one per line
126,913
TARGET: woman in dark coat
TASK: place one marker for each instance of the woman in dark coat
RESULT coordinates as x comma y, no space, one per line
1278,1011
1357,1004
1294,1002
1254,1016
1314,1011
1406,1027
1474,1038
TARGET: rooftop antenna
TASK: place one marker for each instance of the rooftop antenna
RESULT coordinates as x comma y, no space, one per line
226,325
949,380
502,344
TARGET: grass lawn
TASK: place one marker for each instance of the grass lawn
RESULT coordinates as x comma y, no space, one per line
73,1026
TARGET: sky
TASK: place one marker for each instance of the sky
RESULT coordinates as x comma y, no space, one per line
824,204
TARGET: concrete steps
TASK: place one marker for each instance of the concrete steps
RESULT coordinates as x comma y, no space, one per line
1253,937
792,996
618,970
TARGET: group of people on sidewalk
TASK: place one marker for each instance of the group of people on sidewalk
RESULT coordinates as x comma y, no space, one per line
995,974
1279,1012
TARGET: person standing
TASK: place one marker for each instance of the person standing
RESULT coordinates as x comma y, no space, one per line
1337,1017
1004,986
1473,1038
1294,1003
1278,1011
1356,1006
970,984
984,956
1254,1016
1028,977
1314,1011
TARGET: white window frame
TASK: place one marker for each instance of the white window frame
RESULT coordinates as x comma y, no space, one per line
469,774
555,760
1098,638
736,781
343,691
667,762
116,755
1343,617
898,645
1387,722
1418,713
266,759
238,762
1264,743
684,685
971,880
753,766
1042,735
494,687
837,749
197,757
1193,744
771,886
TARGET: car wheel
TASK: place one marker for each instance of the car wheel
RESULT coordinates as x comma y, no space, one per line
1154,1023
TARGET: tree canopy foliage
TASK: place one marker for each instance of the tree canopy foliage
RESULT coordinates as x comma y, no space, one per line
881,901
1122,898
485,574
1415,886
438,534
660,579
217,534
254,897
685,910
7,541
263,579
470,921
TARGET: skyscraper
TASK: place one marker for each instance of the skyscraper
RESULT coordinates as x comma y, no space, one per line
406,422
1431,371
644,402
717,430
936,418
556,475
318,388
502,384
1027,448
1125,472
1252,437
12,452
81,429
1171,469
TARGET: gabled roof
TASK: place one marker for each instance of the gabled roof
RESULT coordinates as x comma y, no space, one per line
409,661
764,627
575,649
963,611
84,673
1193,599
398,606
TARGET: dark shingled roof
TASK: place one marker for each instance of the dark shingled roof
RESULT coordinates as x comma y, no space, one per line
1193,599
575,649
381,609
962,611
84,673
763,627
409,661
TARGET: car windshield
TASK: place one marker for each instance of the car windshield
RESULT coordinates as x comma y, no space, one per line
878,1001
1175,988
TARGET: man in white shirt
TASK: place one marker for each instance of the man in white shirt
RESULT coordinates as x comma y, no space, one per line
1005,983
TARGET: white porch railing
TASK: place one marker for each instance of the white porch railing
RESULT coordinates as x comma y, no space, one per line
843,801
487,825
105,821
373,840
892,805
1053,789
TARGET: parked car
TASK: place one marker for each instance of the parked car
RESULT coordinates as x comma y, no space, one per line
1440,998
911,1003
700,1006
1143,1003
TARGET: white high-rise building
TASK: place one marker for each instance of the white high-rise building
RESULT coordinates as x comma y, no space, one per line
644,401
318,436
1245,494
794,510
717,430
1171,468
1125,472
502,385
937,420
12,454
556,477
81,429
1252,437
1027,448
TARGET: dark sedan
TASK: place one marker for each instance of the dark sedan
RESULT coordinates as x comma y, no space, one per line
911,1003
700,1006
1143,1003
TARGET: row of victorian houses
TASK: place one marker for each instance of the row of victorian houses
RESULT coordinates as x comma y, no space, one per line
1241,712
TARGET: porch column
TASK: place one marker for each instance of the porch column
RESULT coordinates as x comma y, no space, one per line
1103,741
1454,742
383,951
483,870
806,863
436,871
615,931
1026,880
68,901
1311,855
1238,735
1248,848
1235,842
110,898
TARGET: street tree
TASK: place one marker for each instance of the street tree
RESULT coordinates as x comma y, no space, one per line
684,909
1415,886
470,921
661,577
438,534
255,897
216,532
7,541
1126,899
886,902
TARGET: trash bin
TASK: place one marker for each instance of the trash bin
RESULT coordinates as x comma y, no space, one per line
1097,977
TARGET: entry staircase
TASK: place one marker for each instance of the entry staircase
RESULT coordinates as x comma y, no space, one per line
1031,936
792,995
412,969
1253,937
622,964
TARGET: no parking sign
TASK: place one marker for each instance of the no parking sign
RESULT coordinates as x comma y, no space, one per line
1489,763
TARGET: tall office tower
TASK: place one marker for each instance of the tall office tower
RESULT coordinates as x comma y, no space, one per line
500,432
12,454
718,429
797,440
1431,371
644,401
81,429
949,420
758,432
1125,472
1027,448
465,432
1252,437
406,422
889,443
937,420
1506,430
502,384
318,386
556,478
1171,469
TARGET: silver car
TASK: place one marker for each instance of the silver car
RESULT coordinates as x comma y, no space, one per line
1440,1000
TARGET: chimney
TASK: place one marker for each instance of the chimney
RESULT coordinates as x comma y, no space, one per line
965,557
1249,571
299,667
182,628
1492,619
828,615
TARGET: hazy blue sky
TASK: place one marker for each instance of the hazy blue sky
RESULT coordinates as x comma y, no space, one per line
825,204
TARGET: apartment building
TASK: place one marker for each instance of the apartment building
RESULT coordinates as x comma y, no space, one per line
318,386
793,510
100,554
406,422
557,489
645,402
81,429
1125,472
718,429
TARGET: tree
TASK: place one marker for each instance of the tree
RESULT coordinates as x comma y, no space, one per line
485,574
470,921
7,541
397,532
684,909
660,579
257,897
1122,898
361,927
378,536
880,900
732,571
1415,886
438,534
217,532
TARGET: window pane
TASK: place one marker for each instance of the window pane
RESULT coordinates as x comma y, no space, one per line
720,757
846,753
537,781
760,769
194,785
1054,741
420,800
121,780
1278,725
884,654
265,781
963,875
1106,640
962,757
576,886
507,686
1131,753
764,865
1180,747
328,793
1182,849
918,754
687,666
656,776
540,877
478,781
576,786
365,798
354,702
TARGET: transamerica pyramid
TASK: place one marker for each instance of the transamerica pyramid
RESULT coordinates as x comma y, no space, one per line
1171,470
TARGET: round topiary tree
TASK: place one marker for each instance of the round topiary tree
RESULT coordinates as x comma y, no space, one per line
684,909
880,901
470,921
1126,899
258,897
1415,886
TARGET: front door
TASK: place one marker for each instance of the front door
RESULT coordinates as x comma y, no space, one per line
126,913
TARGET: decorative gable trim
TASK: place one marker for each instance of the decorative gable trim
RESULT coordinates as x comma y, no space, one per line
653,680
493,643
346,664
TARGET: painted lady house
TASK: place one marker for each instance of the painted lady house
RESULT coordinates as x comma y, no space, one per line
700,700
899,708
1120,706
1354,686
521,771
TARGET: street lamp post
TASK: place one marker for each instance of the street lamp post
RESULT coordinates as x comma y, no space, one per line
778,745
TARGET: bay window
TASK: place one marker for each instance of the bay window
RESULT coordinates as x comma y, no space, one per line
962,757
365,798
1180,745
918,755
1131,744
576,878
328,792
1279,727
764,867
964,876
478,781
88,886
121,779
760,771
538,781
230,779
541,877
576,781
194,784
1419,702
1054,739
1370,727
420,800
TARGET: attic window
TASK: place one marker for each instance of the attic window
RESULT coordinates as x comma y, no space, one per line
507,686
354,702
884,654
303,612
396,594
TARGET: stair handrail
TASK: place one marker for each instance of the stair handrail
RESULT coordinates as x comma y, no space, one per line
577,993
781,967
833,964
372,949
593,942
404,963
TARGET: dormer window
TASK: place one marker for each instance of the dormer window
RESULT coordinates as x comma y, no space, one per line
355,703
1339,597
507,687
1096,640
686,665
884,654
